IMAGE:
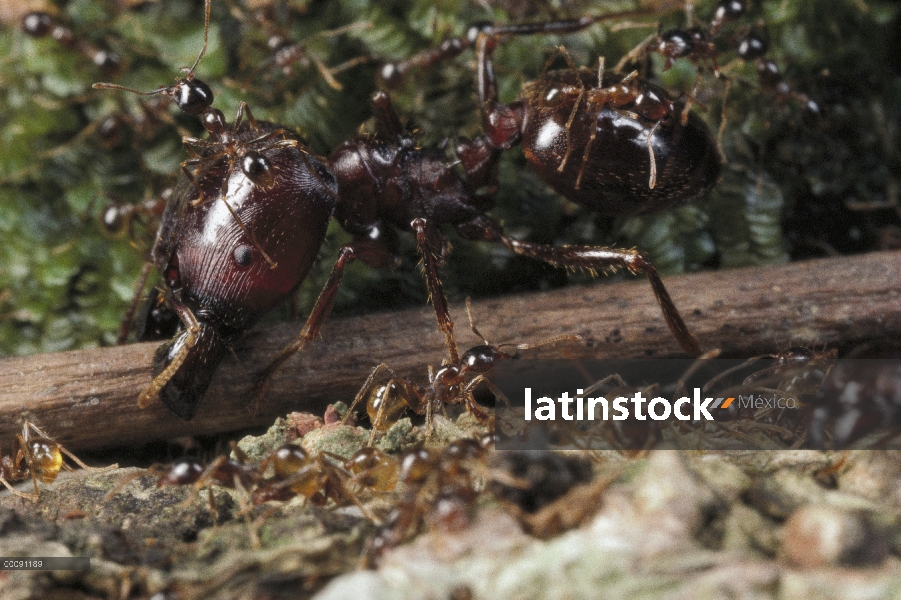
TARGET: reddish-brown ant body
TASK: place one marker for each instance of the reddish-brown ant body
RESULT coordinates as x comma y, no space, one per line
39,457
287,472
225,266
386,183
437,488
238,235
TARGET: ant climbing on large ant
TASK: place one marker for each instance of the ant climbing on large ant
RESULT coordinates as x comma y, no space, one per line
698,44
39,457
225,266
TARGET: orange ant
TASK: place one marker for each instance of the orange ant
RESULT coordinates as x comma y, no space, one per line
40,457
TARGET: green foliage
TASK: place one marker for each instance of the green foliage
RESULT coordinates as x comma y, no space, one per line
64,284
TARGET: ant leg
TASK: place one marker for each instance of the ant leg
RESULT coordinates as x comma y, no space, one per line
128,319
591,258
472,322
474,408
430,243
33,497
346,255
366,387
635,53
501,122
29,425
392,74
29,459
615,378
652,179
594,258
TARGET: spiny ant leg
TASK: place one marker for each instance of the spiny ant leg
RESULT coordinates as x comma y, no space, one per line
594,258
430,243
128,319
324,303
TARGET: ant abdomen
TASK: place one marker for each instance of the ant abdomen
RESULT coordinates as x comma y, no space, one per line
602,159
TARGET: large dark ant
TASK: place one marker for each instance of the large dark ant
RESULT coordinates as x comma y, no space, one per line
37,456
226,266
386,182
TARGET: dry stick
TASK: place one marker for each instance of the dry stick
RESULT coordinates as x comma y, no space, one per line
88,398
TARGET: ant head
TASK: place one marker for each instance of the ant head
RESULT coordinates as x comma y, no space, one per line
191,95
182,472
481,359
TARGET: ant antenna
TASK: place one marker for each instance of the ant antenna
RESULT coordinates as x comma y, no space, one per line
171,90
206,35
472,322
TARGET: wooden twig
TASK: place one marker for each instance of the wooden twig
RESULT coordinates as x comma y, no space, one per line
87,398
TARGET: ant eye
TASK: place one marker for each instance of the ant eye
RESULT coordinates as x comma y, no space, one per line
258,169
193,96
243,256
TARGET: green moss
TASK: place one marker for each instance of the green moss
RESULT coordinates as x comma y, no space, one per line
64,285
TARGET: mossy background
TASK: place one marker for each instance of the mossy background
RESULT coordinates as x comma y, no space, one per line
789,189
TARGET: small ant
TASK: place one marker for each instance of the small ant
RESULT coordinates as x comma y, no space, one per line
697,44
39,24
285,54
450,384
320,478
797,373
119,219
37,456
438,488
